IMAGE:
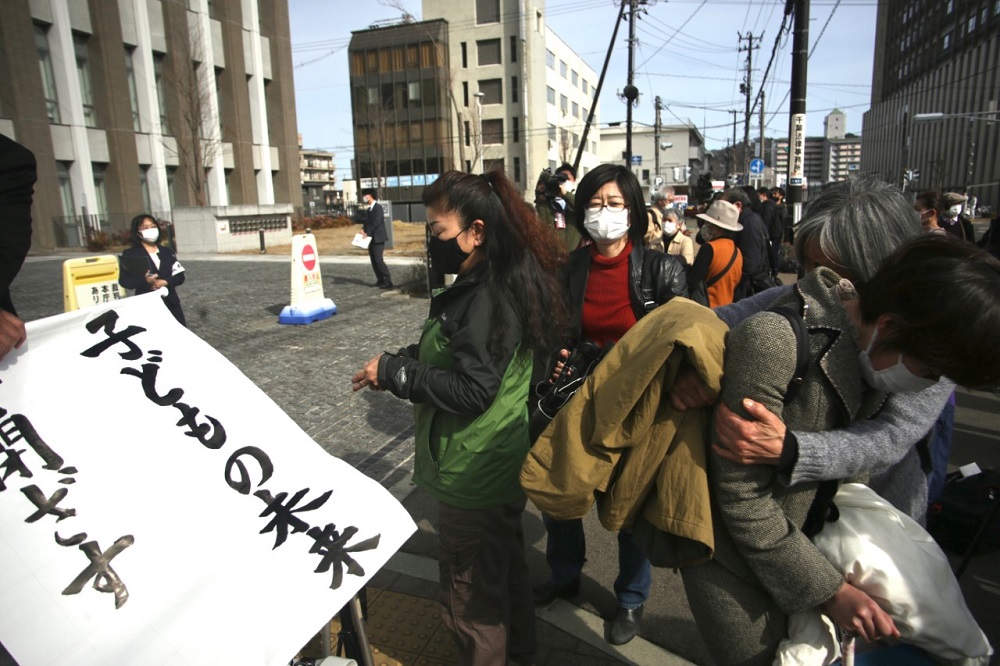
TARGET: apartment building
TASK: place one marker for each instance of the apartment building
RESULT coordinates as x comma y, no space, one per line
935,95
143,105
319,179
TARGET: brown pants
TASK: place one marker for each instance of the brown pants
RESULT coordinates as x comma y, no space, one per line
485,587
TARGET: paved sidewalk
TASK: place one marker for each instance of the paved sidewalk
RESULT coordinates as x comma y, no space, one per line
233,302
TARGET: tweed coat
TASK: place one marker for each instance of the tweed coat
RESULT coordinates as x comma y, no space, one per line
764,566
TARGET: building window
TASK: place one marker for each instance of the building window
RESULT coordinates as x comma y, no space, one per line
133,92
465,92
515,129
171,176
563,104
946,41
563,69
65,188
550,59
513,48
100,193
584,86
584,113
513,89
465,55
949,6
517,170
488,52
574,78
550,94
972,23
83,74
413,93
48,76
144,187
492,90
487,11
576,110
372,94
161,94
552,133
467,133
493,131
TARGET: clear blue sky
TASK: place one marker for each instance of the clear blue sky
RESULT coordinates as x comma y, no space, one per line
687,54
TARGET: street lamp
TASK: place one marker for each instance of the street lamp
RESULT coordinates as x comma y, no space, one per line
479,124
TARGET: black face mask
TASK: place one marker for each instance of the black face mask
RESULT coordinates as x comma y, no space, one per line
446,255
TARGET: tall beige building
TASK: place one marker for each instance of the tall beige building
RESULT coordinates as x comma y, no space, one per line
144,105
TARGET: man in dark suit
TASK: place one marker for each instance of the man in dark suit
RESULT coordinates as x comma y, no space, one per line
17,181
374,228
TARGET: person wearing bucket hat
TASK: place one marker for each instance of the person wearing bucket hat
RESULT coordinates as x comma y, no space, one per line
953,221
718,267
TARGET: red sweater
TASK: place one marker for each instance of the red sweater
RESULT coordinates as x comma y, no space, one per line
607,308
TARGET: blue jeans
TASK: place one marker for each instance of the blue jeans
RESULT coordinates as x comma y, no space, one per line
566,551
940,450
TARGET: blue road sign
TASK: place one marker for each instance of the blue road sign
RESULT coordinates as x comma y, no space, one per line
757,165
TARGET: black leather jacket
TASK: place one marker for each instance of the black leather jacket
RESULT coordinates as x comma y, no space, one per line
667,278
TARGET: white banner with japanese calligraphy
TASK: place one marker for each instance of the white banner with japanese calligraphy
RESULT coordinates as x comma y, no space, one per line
156,507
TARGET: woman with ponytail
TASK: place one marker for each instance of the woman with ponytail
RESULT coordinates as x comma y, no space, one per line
469,378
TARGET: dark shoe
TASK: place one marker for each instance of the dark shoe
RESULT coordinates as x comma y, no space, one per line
625,626
548,591
378,284
385,285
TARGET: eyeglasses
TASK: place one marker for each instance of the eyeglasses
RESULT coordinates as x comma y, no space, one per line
611,206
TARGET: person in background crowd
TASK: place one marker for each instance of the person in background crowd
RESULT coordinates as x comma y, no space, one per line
612,283
159,261
469,378
374,228
928,205
555,204
17,186
717,270
778,196
775,227
677,242
753,243
952,220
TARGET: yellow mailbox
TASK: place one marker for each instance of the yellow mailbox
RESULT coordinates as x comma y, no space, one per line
90,281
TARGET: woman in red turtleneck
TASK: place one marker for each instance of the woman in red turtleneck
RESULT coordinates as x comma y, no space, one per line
607,294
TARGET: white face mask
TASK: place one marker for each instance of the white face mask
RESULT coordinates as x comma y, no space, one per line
894,379
603,224
669,228
149,235
954,211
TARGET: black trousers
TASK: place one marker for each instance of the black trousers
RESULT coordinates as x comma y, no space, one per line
375,251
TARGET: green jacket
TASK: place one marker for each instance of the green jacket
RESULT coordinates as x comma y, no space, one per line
470,406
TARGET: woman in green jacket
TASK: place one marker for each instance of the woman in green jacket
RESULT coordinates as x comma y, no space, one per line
469,379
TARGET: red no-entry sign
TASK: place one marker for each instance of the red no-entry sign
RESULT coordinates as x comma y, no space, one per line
308,257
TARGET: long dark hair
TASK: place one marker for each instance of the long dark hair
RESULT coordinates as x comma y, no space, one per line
522,258
943,295
631,192
136,221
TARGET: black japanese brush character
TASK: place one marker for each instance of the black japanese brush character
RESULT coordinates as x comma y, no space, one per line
148,377
17,428
46,505
107,320
329,543
105,578
242,484
283,515
74,540
212,435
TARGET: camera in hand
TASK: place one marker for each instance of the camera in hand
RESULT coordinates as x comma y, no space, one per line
553,186
553,395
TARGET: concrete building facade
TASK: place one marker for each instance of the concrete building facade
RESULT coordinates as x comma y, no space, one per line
143,105
935,95
682,154
319,180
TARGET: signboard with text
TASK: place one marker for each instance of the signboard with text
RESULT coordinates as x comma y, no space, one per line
197,524
796,149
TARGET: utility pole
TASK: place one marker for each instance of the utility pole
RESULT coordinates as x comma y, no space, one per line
797,105
746,88
658,105
760,147
631,93
734,112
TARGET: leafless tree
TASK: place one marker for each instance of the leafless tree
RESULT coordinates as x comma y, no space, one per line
199,137
379,133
